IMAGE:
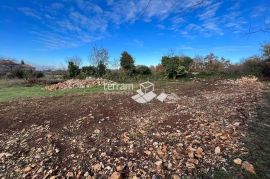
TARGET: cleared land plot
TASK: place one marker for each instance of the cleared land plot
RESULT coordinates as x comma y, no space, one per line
99,135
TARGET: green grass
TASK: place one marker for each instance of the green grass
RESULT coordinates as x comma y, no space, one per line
16,92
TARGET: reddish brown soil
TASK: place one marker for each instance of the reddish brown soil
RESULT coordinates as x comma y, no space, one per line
126,130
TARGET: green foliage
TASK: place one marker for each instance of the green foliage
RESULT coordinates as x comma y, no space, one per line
89,70
73,70
252,66
181,71
143,70
176,66
266,60
39,74
18,73
101,69
22,62
127,62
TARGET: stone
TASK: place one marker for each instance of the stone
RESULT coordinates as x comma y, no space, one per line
96,131
175,176
248,167
70,174
237,161
190,165
86,174
27,169
199,152
119,168
158,163
147,152
217,150
156,177
115,175
97,167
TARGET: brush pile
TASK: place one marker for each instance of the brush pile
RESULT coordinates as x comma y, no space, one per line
75,83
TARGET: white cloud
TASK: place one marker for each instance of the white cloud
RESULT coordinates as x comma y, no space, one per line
30,12
210,11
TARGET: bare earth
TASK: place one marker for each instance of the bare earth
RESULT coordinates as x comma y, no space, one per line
101,136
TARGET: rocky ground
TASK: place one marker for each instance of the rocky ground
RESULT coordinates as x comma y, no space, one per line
112,136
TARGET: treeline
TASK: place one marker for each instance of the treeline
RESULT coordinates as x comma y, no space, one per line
170,67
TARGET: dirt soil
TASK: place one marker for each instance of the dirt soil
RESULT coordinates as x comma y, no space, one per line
102,135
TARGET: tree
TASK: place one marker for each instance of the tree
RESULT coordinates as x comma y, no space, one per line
22,62
101,69
99,55
127,62
185,61
176,66
143,70
252,65
89,70
75,59
73,70
266,60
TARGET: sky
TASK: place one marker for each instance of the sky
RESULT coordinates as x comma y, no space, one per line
44,32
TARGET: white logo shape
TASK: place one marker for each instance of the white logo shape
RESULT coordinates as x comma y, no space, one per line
146,94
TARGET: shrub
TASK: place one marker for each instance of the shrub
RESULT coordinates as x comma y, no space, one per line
143,70
73,70
181,71
252,66
39,74
89,70
266,62
127,62
101,69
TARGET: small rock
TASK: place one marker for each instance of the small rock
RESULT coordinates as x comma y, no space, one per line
53,177
96,167
115,175
248,167
169,166
103,154
27,169
237,161
147,152
97,131
86,174
217,150
199,152
156,177
119,168
70,174
190,165
175,176
158,163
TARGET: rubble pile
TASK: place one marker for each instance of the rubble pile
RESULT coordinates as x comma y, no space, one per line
76,83
120,138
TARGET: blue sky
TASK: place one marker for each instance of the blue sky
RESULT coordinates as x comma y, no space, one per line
45,32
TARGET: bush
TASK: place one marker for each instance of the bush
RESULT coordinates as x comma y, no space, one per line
252,66
18,73
266,68
101,69
39,74
89,70
181,71
143,70
176,66
127,62
73,70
